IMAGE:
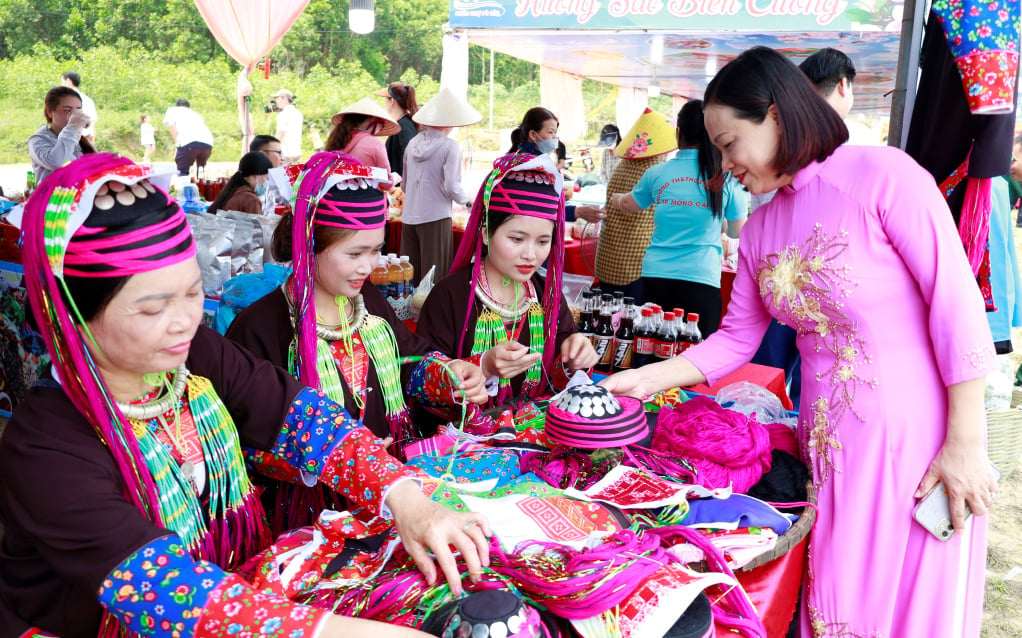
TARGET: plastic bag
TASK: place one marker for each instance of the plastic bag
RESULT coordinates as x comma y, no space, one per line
425,286
749,398
241,291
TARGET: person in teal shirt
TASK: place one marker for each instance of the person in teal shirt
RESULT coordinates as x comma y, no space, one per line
682,263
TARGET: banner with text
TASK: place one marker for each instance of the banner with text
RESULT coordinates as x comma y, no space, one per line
679,15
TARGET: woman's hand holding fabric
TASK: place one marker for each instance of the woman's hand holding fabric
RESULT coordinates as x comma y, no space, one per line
424,525
509,359
577,353
471,382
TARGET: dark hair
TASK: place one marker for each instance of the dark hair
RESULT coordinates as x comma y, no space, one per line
260,141
341,134
92,294
323,237
183,102
826,68
810,128
692,133
74,77
252,163
52,101
144,116
534,120
404,95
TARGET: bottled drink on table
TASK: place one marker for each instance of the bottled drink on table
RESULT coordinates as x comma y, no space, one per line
658,317
624,340
691,334
396,275
586,326
679,327
645,338
666,339
380,277
618,302
408,273
603,337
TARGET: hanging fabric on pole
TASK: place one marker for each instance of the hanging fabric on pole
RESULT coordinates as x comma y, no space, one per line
248,30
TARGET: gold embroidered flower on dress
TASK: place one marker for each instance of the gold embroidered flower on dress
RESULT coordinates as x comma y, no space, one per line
807,285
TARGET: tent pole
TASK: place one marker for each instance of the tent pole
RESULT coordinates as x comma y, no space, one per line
491,89
903,100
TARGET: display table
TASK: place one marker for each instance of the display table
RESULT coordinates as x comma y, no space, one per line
770,378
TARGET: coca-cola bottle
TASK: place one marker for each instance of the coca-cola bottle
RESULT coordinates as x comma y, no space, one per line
645,338
586,324
603,337
690,335
666,338
624,339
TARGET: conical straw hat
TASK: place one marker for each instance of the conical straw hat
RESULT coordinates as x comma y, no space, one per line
651,135
447,109
369,106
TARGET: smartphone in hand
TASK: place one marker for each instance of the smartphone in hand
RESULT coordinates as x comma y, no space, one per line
933,511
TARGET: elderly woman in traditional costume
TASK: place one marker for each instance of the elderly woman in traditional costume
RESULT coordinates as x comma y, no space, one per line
333,332
494,307
123,492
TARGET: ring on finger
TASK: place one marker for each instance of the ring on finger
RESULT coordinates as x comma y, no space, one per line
467,526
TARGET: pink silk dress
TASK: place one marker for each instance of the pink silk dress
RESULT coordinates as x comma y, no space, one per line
860,255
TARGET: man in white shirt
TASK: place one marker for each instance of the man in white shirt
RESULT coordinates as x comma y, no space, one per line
271,148
72,80
289,126
192,137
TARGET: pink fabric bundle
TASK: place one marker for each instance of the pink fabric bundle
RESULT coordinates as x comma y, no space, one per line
725,447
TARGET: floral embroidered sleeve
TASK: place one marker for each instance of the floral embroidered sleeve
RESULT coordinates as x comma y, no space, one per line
430,383
321,439
160,590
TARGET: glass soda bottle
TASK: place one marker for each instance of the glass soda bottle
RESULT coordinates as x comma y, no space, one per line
666,339
603,337
624,340
645,338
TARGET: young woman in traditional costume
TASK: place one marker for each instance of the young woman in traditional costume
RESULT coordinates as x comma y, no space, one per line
333,332
493,307
123,492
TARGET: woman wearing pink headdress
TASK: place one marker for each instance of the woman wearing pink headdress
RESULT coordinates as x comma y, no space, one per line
493,307
333,332
123,492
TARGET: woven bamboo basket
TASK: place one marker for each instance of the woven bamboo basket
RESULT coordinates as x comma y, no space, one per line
1004,439
791,538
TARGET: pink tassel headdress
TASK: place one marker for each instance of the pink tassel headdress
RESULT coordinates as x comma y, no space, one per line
499,193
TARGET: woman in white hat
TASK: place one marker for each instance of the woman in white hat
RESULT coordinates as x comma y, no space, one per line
355,132
432,182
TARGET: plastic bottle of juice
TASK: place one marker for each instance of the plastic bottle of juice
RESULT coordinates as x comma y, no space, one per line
396,275
380,277
409,273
